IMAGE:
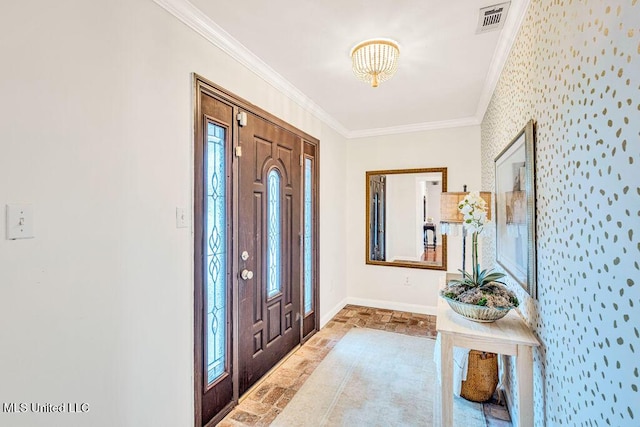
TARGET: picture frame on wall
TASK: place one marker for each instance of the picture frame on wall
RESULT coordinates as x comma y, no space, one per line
515,209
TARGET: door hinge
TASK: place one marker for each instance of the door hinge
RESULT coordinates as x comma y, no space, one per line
242,118
238,151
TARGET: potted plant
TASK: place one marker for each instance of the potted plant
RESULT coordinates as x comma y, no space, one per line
478,295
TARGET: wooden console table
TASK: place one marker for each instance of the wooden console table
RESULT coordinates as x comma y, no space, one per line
509,335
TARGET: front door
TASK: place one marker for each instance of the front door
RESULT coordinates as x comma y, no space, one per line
249,240
269,241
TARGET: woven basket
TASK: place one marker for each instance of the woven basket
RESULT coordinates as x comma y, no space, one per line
482,376
477,313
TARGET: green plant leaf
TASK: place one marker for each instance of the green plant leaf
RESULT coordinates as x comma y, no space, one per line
493,276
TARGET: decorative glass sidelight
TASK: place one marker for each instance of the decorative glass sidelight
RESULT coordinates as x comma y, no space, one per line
215,228
273,234
308,237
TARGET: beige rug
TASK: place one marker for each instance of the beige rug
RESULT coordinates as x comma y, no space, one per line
374,378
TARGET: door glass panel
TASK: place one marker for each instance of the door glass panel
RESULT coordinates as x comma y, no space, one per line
273,234
308,249
215,295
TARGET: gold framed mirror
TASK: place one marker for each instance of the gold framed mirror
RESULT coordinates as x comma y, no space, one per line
403,218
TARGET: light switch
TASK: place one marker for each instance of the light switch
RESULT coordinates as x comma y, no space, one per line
20,222
181,218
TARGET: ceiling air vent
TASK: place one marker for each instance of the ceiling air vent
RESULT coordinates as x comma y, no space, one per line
492,17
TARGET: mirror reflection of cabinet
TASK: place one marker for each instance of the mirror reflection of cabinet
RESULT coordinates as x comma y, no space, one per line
402,218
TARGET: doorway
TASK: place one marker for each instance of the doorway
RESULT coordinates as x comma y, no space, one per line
255,230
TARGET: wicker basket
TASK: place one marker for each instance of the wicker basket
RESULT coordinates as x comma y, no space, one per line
482,376
477,313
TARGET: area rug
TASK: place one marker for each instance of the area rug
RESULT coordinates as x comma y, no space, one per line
374,378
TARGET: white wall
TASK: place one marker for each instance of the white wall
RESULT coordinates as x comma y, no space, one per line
96,131
333,194
401,230
458,149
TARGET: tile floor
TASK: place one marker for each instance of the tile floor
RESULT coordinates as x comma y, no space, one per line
263,404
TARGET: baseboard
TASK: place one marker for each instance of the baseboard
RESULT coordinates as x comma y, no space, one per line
389,305
329,315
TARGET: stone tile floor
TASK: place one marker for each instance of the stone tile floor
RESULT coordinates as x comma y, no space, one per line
266,400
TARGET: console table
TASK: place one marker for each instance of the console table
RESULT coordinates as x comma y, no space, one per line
509,335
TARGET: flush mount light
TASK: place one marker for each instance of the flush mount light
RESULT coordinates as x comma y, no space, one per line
375,60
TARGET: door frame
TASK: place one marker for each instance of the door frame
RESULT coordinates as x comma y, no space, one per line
201,86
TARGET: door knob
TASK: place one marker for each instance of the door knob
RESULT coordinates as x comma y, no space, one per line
246,274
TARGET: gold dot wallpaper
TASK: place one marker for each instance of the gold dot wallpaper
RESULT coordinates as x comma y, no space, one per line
574,69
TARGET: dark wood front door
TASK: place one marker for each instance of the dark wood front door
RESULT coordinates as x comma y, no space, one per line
269,227
251,229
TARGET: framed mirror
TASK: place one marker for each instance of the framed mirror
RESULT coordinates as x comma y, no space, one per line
403,218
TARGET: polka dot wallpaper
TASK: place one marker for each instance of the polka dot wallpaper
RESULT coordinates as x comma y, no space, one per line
575,70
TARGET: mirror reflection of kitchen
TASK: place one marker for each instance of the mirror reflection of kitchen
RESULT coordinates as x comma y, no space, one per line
404,218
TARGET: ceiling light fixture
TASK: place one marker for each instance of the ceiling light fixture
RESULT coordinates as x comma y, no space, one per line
375,60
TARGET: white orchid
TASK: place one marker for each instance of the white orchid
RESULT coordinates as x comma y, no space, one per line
474,211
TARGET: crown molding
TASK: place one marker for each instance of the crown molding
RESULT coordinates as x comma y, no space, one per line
501,53
195,19
415,127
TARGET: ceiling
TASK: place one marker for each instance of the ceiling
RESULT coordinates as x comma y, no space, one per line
446,72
